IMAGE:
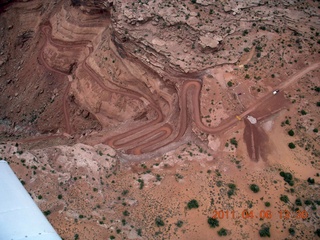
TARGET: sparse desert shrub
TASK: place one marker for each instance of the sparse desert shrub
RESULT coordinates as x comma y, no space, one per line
179,223
222,232
264,231
307,202
310,181
286,176
292,231
126,213
193,204
291,145
232,186
284,198
125,192
234,142
141,183
213,222
318,104
315,130
229,84
254,188
267,204
291,132
46,213
159,221
230,192
232,189
303,112
298,202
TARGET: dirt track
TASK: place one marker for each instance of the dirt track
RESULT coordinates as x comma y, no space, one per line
156,138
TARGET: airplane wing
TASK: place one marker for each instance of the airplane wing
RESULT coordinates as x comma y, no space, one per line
20,217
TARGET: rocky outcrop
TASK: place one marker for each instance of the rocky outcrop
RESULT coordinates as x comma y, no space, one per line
196,35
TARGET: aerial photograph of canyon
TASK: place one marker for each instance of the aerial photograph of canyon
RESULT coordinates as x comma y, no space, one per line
164,119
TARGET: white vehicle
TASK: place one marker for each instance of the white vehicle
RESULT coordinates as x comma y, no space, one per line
275,92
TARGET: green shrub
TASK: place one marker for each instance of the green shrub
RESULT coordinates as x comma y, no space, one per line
264,231
284,198
298,202
311,181
287,177
303,112
267,204
234,142
292,231
193,204
179,223
46,213
222,232
307,202
291,132
159,221
230,192
126,213
254,188
213,222
291,145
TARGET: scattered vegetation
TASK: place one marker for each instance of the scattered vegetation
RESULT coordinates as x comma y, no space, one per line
264,231
310,181
291,132
284,198
232,189
193,204
287,177
159,221
126,213
141,183
222,232
179,223
234,142
254,188
47,213
213,222
292,231
291,145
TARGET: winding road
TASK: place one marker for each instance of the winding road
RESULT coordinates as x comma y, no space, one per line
137,141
